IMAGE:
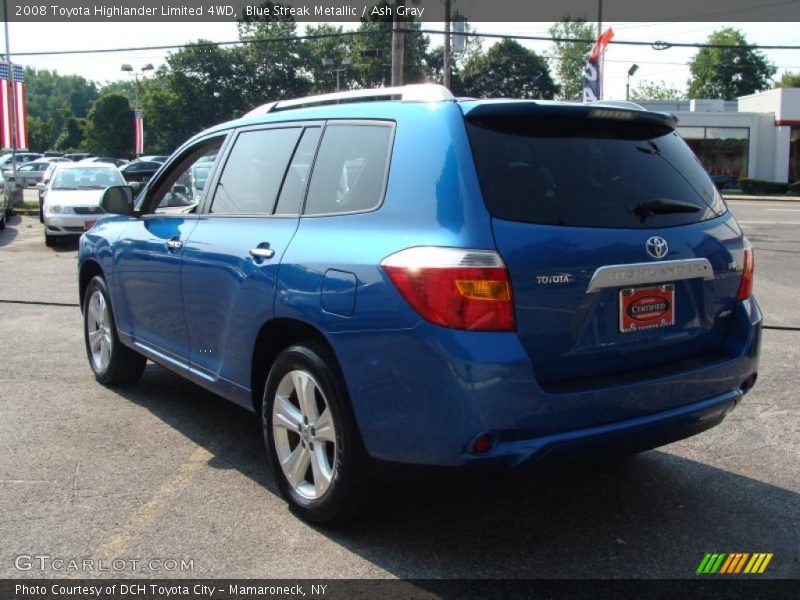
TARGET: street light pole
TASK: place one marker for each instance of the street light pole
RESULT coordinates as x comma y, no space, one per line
130,70
341,68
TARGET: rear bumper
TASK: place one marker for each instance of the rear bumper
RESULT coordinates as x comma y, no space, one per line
422,396
633,435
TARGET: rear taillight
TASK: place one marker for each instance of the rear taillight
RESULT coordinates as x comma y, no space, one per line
453,287
746,285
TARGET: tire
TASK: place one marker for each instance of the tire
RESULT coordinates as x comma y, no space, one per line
3,221
338,452
111,362
50,240
41,210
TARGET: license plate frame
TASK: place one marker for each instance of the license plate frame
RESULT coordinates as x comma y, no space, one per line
648,307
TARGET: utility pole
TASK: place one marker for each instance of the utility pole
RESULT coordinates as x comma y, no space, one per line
446,67
398,39
13,102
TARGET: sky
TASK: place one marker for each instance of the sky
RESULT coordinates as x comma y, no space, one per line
670,66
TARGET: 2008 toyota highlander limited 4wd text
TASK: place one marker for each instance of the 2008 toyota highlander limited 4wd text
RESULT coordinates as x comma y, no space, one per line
401,275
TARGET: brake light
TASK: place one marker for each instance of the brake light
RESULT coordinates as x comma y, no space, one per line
453,287
748,266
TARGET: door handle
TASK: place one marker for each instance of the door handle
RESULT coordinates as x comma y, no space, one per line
173,244
262,253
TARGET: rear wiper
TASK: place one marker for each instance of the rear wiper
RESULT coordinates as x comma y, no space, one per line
662,206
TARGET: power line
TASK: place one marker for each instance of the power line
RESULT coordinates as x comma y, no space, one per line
658,45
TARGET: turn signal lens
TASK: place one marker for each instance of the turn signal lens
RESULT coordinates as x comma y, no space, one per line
748,267
453,287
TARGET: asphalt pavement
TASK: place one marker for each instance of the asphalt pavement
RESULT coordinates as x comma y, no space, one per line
165,470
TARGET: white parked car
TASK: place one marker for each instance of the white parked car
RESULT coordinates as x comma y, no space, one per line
72,198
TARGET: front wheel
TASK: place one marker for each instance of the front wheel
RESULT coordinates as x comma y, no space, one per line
313,446
112,363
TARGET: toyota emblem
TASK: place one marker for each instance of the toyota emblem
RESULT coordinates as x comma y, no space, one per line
657,247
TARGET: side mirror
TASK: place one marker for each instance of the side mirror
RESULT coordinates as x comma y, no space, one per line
118,200
135,186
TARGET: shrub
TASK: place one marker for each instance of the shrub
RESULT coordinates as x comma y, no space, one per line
756,187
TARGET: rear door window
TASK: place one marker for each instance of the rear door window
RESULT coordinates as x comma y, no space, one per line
351,168
580,172
254,171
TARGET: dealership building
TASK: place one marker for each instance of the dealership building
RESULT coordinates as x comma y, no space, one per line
756,136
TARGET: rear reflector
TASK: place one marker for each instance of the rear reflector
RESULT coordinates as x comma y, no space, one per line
748,267
454,287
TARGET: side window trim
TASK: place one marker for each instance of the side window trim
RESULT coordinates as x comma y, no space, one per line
205,206
390,151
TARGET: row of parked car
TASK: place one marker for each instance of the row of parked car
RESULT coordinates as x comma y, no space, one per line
83,172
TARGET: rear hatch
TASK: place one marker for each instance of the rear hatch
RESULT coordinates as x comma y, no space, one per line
622,255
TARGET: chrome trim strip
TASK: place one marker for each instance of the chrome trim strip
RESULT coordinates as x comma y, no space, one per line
612,276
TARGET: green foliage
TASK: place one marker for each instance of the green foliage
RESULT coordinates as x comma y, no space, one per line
508,70
757,187
651,90
570,56
50,99
334,48
789,80
71,137
124,87
40,134
109,127
727,73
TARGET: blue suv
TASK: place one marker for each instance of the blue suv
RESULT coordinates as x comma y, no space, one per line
399,275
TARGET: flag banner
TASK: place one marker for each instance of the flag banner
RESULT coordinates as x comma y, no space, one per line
13,91
138,125
592,78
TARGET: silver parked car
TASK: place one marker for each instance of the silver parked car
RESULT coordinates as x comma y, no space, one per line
72,198
31,173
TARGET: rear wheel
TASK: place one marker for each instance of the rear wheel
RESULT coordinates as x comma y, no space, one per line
2,220
112,363
313,446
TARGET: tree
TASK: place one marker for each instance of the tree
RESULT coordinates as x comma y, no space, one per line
337,49
473,47
509,70
730,72
789,80
109,126
41,134
372,52
651,90
571,57
71,137
50,99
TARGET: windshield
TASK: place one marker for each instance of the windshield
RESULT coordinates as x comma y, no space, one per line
87,178
590,173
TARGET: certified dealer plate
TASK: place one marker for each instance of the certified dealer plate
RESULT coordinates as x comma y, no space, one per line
646,307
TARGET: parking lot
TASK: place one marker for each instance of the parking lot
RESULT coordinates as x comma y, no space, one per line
165,470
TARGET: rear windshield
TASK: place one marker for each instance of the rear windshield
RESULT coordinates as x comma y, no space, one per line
590,173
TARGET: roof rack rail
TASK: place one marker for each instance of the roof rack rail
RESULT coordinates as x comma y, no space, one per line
418,92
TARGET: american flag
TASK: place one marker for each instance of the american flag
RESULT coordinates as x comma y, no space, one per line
138,125
7,97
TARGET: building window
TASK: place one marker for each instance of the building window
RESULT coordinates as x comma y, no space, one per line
723,151
794,154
